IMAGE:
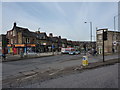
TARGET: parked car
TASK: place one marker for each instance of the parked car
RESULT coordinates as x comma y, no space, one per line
72,53
77,52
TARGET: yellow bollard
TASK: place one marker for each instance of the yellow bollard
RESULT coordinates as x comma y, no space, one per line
85,61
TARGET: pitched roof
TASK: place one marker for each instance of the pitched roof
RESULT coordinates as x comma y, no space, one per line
41,35
25,31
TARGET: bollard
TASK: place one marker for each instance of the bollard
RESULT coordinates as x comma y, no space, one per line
85,61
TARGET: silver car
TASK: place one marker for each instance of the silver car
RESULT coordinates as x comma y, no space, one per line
72,53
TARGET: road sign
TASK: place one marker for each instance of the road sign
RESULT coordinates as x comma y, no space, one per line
85,61
114,43
53,46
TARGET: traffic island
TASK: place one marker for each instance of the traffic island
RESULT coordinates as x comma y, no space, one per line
99,64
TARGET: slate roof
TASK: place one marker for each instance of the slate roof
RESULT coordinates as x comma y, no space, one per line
41,35
25,31
64,40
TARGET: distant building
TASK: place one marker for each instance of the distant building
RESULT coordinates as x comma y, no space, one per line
87,45
69,43
64,42
111,44
42,42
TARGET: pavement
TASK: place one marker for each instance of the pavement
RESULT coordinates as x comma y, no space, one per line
58,68
29,56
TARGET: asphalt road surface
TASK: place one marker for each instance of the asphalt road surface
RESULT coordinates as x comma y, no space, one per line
14,67
104,77
11,69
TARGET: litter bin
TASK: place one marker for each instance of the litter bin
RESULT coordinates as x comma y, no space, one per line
85,60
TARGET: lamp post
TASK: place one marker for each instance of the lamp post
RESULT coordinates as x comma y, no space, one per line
115,36
38,40
90,32
115,21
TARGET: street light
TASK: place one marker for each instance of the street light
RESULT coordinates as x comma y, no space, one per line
115,21
115,36
39,29
90,30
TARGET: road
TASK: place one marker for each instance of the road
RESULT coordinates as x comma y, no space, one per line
11,69
104,77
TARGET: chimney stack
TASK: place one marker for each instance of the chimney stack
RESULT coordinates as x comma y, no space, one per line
50,35
15,24
59,37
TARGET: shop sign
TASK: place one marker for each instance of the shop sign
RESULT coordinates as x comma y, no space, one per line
31,45
19,45
9,45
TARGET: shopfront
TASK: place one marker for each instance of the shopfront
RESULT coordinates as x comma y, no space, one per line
18,48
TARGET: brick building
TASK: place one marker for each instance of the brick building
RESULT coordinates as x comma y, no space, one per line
111,44
42,42
20,40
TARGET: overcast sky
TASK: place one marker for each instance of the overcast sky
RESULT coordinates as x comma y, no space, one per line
64,19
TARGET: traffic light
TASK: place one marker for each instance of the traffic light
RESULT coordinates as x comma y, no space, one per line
104,35
84,46
7,41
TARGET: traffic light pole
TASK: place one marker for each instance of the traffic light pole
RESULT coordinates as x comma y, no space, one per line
103,47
